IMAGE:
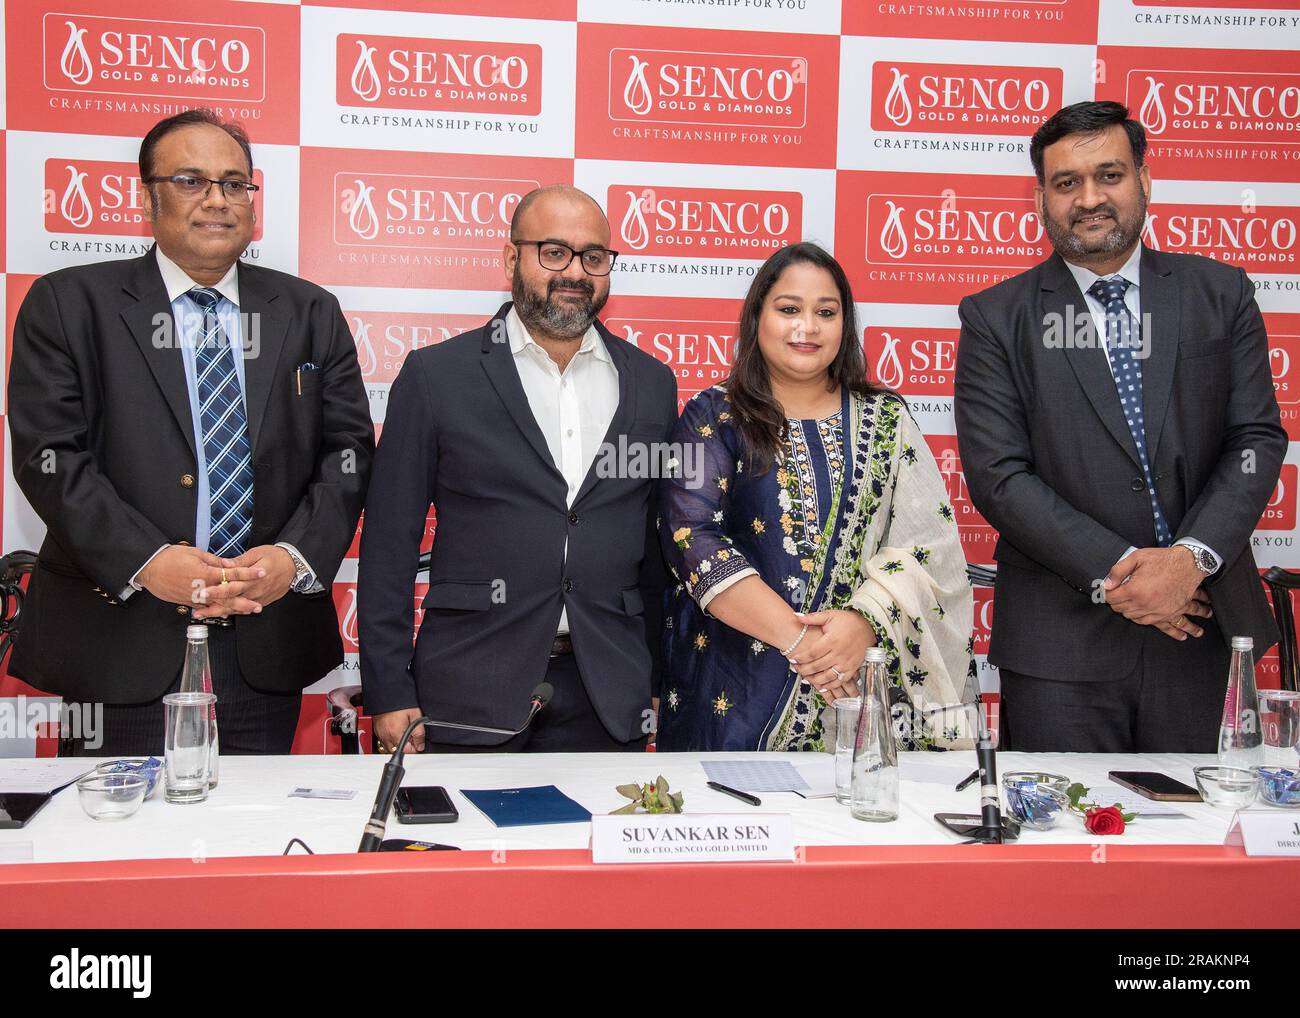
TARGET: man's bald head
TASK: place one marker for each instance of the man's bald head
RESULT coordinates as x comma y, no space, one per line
554,201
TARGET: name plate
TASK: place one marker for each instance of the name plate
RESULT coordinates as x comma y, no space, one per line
1266,832
693,837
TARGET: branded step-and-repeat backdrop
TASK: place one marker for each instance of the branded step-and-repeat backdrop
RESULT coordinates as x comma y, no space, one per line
394,137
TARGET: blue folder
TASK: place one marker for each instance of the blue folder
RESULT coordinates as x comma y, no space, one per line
526,807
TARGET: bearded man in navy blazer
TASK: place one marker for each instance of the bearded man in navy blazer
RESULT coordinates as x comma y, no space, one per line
1117,425
195,435
524,436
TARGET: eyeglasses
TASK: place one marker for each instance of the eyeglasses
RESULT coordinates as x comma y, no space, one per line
237,192
551,254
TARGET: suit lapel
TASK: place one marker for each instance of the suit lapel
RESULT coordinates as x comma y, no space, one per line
1063,302
499,365
266,330
1161,327
624,413
146,318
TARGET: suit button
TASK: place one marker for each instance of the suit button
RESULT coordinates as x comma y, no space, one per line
573,518
1137,484
181,609
568,586
187,480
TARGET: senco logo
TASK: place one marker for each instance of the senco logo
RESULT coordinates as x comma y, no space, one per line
983,620
1264,239
1280,513
698,351
1216,105
102,197
961,99
438,74
679,87
977,537
384,338
911,360
703,222
945,230
129,56
406,210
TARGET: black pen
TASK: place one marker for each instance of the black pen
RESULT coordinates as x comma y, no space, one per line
968,780
753,800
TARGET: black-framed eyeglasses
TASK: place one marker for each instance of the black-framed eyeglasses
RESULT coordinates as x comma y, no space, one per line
237,192
551,254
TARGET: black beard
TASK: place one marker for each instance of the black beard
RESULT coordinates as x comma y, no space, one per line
562,320
1119,238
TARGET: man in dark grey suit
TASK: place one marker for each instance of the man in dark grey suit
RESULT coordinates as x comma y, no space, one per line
523,436
1117,425
194,433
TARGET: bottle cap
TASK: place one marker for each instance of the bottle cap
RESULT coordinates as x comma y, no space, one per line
196,632
876,655
1243,643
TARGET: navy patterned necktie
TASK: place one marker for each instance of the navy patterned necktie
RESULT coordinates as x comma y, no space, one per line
225,433
1124,348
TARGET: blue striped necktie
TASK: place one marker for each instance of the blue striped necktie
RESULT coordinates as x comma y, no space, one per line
225,433
1124,348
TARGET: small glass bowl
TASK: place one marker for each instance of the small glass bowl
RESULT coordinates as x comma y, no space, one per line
111,796
150,769
1227,787
1035,799
1279,786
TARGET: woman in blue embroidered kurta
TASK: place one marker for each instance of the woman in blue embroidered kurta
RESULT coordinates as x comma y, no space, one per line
787,570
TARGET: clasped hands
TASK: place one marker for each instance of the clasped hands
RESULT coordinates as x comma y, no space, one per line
1159,587
832,651
219,587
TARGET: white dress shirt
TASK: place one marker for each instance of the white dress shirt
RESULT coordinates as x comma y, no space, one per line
1131,271
573,408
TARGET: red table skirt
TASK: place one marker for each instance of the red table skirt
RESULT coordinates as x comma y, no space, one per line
1077,886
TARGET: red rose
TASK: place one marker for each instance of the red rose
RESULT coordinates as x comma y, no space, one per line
1104,820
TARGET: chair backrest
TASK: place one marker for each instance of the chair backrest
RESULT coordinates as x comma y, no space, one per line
1280,583
13,567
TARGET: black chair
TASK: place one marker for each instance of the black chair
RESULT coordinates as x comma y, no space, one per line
346,704
13,567
1280,583
981,576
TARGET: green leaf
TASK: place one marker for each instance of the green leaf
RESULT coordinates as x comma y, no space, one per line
629,808
1076,792
677,799
632,792
661,786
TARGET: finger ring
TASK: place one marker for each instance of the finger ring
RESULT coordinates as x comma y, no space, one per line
838,674
1179,623
224,581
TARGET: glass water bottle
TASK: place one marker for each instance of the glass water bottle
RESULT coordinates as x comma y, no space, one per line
874,794
1241,738
197,678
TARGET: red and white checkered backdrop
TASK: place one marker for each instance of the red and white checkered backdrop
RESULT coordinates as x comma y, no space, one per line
392,140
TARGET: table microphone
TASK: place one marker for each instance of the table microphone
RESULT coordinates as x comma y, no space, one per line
373,836
989,827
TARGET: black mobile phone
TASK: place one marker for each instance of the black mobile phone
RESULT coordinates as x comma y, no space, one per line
16,808
1155,785
428,804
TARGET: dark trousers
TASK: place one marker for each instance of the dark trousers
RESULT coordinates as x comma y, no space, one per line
248,721
568,724
1171,702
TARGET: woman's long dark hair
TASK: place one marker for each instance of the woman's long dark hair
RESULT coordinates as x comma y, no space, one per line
760,419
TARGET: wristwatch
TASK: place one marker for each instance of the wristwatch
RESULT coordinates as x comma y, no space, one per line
1203,559
302,578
